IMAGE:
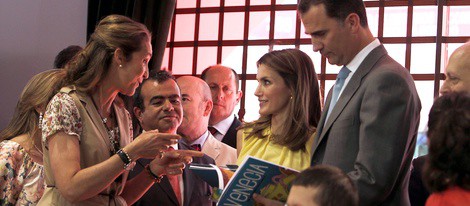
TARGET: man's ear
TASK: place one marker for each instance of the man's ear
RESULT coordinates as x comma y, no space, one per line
352,22
138,114
239,96
208,108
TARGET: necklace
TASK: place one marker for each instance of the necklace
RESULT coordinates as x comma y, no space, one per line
113,133
114,136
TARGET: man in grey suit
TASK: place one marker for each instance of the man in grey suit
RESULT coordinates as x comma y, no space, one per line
370,120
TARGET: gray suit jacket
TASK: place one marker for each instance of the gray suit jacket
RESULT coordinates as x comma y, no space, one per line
371,132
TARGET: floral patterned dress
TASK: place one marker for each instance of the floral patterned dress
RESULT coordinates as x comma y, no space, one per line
21,179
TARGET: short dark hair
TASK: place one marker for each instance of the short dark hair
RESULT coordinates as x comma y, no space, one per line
448,162
333,186
204,74
65,55
338,9
158,76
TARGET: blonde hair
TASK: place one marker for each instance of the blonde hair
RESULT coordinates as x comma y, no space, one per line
91,65
297,70
37,93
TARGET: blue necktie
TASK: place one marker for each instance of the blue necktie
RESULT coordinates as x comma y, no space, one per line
342,75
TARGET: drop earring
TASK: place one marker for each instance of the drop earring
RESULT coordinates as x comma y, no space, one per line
40,120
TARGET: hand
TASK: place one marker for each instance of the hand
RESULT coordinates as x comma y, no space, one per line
265,201
150,144
173,162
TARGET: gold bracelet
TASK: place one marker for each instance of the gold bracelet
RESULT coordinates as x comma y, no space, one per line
156,178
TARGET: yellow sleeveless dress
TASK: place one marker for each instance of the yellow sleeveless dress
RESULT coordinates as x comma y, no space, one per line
264,149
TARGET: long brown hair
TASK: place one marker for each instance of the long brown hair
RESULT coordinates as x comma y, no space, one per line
37,93
297,70
91,65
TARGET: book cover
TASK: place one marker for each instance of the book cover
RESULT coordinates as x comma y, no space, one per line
257,176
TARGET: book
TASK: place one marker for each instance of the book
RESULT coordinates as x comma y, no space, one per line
257,176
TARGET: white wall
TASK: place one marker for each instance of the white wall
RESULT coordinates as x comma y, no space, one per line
32,32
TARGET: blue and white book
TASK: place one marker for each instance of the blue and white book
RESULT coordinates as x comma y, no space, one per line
257,176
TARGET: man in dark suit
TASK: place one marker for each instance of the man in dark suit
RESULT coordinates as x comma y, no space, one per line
224,84
370,120
157,106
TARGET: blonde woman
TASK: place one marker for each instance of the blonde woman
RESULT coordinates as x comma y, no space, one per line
21,170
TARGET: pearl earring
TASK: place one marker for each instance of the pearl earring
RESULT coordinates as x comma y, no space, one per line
40,120
120,66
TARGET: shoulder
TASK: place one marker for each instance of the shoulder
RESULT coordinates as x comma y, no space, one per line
61,101
220,144
12,156
10,151
389,77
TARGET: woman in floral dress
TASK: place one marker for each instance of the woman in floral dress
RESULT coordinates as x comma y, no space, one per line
21,170
87,132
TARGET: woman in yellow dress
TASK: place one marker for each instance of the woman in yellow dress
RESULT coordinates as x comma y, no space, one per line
290,109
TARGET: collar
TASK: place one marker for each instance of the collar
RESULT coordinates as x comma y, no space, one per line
223,126
202,139
357,60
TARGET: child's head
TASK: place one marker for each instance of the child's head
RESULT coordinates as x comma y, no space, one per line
323,186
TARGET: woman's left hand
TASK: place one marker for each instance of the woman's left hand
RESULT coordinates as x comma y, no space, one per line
173,162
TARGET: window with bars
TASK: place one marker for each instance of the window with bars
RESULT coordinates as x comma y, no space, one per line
419,34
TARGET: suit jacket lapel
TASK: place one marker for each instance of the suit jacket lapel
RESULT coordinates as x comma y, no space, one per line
188,179
321,123
211,148
188,185
353,85
165,186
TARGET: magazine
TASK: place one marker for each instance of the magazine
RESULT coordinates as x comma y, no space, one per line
215,176
257,176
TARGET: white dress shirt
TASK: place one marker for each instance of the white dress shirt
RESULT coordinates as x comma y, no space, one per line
354,64
223,126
